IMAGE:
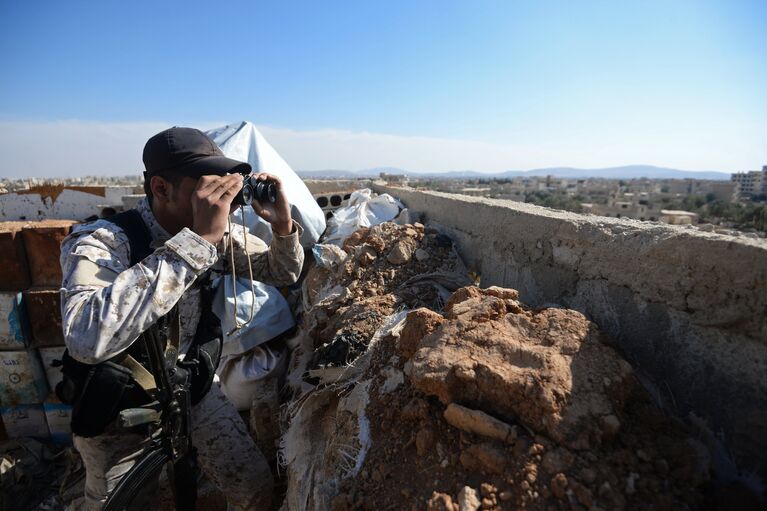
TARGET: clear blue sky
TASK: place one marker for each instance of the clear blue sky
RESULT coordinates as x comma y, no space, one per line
674,82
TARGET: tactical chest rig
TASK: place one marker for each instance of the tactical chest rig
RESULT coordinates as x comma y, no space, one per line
132,381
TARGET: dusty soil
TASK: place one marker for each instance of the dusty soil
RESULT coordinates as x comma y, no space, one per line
387,267
580,441
473,401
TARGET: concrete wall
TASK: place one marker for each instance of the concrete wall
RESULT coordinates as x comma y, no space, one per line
686,308
330,186
68,204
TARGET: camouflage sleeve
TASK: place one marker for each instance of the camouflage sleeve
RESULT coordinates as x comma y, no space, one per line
277,264
105,304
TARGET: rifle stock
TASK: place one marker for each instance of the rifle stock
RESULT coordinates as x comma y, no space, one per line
143,472
173,441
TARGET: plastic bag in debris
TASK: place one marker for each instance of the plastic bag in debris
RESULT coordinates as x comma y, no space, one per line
363,210
242,141
242,376
329,434
245,359
328,256
272,315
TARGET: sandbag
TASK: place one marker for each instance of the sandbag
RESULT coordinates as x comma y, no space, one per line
363,210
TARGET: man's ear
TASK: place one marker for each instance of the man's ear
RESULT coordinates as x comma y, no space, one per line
161,188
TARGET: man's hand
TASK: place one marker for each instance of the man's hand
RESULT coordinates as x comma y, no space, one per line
211,201
277,214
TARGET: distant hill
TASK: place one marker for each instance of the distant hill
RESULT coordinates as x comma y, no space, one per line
350,174
625,172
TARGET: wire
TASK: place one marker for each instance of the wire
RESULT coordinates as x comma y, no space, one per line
230,241
250,267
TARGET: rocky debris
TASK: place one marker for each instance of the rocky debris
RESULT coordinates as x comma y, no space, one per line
424,441
480,423
349,296
401,252
553,371
472,400
420,323
483,458
440,502
559,485
468,500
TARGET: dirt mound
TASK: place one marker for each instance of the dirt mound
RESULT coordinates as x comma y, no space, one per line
449,397
525,410
548,369
456,398
380,269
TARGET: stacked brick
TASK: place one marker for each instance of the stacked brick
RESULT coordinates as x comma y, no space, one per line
331,201
31,339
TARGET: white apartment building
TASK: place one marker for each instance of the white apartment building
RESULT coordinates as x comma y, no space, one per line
751,182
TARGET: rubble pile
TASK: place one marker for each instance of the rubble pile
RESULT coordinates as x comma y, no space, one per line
473,401
381,269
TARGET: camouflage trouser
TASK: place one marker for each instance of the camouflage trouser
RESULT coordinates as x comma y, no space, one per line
226,454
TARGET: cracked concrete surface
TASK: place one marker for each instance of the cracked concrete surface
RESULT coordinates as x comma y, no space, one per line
687,308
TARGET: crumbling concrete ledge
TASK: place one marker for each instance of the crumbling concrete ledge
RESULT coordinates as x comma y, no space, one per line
687,308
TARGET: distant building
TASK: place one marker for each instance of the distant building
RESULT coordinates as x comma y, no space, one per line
677,217
475,191
393,178
752,182
628,205
723,190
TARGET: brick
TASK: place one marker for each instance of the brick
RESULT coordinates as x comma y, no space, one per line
14,271
22,379
14,323
42,243
48,356
24,421
59,419
44,310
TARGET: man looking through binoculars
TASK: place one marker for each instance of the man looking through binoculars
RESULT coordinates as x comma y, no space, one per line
115,289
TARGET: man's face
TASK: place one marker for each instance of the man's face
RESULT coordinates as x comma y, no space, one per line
179,204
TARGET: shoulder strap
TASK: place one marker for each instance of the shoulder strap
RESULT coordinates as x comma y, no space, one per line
138,234
139,240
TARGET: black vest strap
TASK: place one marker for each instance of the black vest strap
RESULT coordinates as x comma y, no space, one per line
139,237
205,349
99,391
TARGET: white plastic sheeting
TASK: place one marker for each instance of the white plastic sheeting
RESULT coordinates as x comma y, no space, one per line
329,434
245,360
363,210
242,141
272,314
328,256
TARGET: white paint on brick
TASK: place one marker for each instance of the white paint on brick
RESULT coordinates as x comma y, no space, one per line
70,204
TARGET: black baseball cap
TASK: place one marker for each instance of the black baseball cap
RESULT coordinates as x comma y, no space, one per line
189,152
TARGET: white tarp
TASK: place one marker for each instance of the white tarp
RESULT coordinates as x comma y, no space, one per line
242,141
244,360
272,314
363,210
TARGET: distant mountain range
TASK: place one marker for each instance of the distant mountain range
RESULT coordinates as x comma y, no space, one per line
625,172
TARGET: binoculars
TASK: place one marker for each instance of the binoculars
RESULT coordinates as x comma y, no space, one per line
255,190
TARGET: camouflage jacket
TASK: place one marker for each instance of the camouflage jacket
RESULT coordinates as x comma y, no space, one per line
106,304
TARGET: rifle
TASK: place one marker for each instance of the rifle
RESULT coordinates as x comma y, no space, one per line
170,424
